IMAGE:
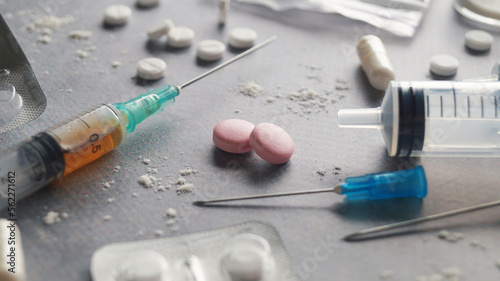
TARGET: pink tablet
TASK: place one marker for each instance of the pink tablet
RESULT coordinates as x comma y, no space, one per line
271,143
232,135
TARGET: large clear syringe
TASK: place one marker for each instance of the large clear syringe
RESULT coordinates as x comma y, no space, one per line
82,139
435,118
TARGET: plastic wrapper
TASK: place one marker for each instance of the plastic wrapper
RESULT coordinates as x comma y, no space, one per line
400,17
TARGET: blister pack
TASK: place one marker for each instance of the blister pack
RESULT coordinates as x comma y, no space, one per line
21,98
252,251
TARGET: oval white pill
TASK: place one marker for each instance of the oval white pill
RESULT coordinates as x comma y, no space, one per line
143,265
478,40
444,65
151,68
117,14
160,29
180,37
375,61
147,3
242,37
210,50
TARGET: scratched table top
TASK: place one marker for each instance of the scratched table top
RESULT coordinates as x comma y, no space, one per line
313,51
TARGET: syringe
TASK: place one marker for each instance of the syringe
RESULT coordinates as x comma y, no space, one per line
435,118
82,139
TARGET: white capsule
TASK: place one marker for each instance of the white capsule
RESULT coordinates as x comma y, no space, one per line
180,37
478,40
143,265
151,68
12,266
160,29
242,37
444,65
117,14
375,62
147,3
210,50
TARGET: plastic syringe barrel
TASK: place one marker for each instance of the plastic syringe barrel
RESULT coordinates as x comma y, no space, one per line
29,167
405,183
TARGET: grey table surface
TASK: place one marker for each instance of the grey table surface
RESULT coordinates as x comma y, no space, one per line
182,134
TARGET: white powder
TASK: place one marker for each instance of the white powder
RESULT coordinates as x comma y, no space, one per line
140,233
451,272
106,218
46,31
51,218
315,76
108,184
160,188
146,180
135,194
308,99
171,212
117,168
116,63
158,233
53,22
44,39
251,89
342,84
80,34
170,222
180,181
69,91
450,236
64,215
187,171
386,274
270,100
146,161
111,200
188,187
82,54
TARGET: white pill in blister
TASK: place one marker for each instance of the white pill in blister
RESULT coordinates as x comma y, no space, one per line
242,37
444,65
180,37
375,61
210,50
478,40
117,14
147,3
160,29
151,68
143,265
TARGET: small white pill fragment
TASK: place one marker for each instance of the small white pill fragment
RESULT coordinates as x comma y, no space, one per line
144,265
444,65
117,14
210,50
11,252
180,37
478,40
160,29
375,62
242,37
147,3
151,69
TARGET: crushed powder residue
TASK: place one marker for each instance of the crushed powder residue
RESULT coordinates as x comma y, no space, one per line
53,22
146,161
251,89
187,171
450,236
80,34
106,218
108,184
51,218
171,212
386,274
111,200
147,180
116,63
45,39
188,187
159,232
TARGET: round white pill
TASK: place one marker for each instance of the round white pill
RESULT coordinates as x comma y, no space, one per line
180,37
151,68
487,8
160,29
210,50
117,14
242,37
143,265
147,3
478,40
444,65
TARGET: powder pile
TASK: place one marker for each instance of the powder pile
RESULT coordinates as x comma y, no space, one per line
251,89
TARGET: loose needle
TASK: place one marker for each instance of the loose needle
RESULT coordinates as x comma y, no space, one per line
361,235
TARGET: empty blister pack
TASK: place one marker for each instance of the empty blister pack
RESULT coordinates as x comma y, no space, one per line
251,251
21,98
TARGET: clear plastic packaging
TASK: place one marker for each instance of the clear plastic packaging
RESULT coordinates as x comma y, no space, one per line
400,17
251,251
